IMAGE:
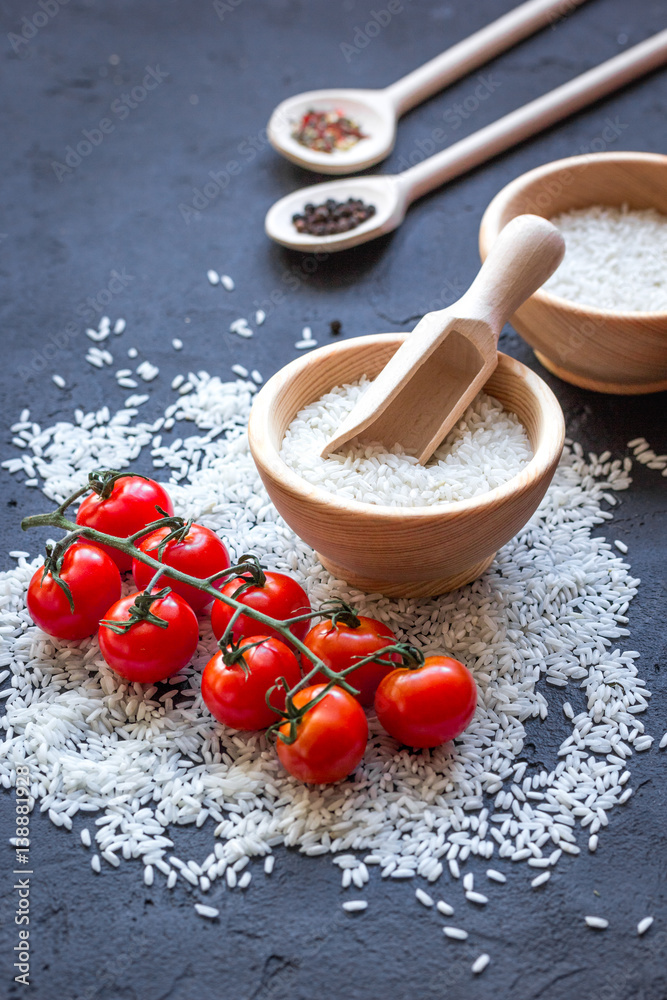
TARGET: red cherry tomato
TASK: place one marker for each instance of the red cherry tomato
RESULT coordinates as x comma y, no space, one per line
331,737
237,697
130,505
147,652
429,705
280,597
340,645
94,582
199,553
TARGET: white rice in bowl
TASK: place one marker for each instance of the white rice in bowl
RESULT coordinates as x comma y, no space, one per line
615,259
488,446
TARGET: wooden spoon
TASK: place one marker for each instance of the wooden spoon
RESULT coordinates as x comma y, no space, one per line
433,377
377,111
392,194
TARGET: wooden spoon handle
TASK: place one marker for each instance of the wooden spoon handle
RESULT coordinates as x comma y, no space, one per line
525,254
534,116
476,50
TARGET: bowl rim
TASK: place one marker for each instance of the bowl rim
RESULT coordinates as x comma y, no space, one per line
489,228
547,453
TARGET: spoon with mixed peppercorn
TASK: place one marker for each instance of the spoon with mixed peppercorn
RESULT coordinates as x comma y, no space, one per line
347,211
340,131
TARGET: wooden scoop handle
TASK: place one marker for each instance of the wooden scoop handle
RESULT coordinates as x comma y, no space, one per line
527,252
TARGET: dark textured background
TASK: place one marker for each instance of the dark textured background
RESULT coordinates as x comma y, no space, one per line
107,936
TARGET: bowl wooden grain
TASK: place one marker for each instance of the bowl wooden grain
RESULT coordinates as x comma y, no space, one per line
401,551
597,349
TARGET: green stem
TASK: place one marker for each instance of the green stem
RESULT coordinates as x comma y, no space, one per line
229,631
156,577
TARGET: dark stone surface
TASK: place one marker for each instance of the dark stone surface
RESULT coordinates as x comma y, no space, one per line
107,936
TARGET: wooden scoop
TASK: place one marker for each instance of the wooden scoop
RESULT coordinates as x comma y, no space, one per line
433,377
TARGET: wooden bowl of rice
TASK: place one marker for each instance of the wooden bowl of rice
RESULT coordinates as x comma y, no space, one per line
401,551
614,350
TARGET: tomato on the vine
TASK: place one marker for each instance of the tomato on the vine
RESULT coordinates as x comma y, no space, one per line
120,505
429,705
235,691
145,649
345,638
94,583
330,740
273,594
192,549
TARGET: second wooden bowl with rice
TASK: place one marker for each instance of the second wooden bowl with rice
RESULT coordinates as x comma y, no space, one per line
382,522
600,322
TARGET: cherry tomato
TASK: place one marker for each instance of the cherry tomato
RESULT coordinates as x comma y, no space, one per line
280,596
130,505
237,697
199,553
147,652
340,645
331,737
429,705
94,582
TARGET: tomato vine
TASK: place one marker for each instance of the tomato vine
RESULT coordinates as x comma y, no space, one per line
248,569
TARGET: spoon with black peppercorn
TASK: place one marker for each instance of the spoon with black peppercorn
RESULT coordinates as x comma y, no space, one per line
390,195
361,126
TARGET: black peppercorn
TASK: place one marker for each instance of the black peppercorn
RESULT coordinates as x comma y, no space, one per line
332,217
